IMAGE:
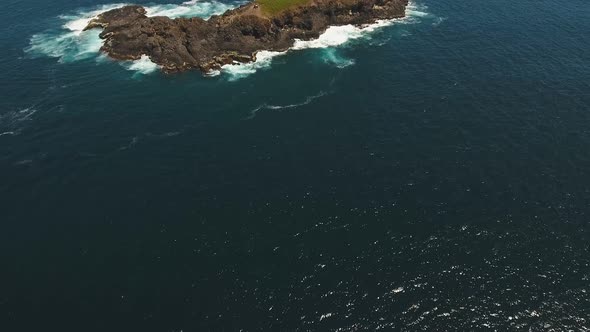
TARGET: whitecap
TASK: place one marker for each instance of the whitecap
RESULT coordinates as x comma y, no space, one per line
413,9
240,70
331,56
417,13
397,290
70,42
338,35
67,47
326,315
12,123
189,9
78,21
213,73
143,66
307,101
77,25
438,21
11,118
334,36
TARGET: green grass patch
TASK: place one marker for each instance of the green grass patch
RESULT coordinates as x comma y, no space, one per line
277,6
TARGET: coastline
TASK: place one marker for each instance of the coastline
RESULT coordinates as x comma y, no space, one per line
235,38
346,34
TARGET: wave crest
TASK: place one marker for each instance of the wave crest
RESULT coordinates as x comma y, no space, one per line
70,43
334,36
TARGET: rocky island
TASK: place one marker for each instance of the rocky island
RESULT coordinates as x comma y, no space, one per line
235,36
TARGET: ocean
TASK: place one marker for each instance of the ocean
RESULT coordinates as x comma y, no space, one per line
424,174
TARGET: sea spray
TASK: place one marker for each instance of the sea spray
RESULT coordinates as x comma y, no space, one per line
143,65
240,70
332,56
190,9
334,36
71,43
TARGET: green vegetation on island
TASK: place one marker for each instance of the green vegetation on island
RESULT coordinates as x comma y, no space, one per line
234,37
277,6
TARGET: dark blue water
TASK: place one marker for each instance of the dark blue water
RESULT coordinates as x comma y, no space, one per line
431,175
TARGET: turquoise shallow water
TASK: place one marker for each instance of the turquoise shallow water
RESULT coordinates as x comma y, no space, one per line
433,174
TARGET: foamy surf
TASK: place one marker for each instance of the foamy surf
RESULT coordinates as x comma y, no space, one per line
70,42
189,9
240,70
11,123
339,35
143,66
331,56
416,10
77,22
334,36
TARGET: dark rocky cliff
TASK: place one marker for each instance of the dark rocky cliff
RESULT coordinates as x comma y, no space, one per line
193,43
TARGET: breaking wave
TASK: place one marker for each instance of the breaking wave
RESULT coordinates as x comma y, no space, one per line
333,37
338,35
70,43
332,57
189,9
263,60
414,10
143,65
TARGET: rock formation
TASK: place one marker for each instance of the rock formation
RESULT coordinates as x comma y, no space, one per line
193,43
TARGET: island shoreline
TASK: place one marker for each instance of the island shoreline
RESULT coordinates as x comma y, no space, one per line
235,37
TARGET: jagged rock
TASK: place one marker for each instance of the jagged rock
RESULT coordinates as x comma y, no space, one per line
193,43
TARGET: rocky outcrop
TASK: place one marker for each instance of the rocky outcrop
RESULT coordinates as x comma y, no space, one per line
193,43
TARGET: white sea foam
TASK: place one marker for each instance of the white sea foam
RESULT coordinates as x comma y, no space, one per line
338,35
67,47
307,100
78,21
189,9
334,36
77,25
143,65
11,118
438,21
237,71
333,57
416,10
71,43
11,123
